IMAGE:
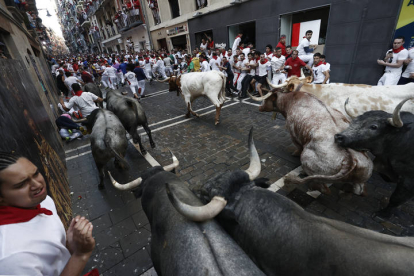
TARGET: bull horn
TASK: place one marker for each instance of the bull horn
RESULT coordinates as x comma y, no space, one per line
134,184
302,75
196,213
259,99
167,79
396,118
81,120
125,187
174,164
254,169
352,116
276,86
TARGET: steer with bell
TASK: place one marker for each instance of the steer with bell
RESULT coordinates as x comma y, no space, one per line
210,84
390,138
283,239
131,114
180,246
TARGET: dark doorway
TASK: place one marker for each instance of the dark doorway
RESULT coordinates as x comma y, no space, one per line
248,30
175,8
162,44
205,35
179,42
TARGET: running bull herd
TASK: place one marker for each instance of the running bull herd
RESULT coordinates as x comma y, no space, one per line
234,225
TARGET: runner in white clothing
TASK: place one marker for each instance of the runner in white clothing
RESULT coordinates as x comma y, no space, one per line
111,73
327,66
305,49
278,63
408,75
132,81
236,42
320,71
244,68
205,67
263,65
215,62
393,63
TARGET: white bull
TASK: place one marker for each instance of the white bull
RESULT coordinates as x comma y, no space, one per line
210,84
362,98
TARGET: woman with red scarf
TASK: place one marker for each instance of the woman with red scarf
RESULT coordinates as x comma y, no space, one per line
33,239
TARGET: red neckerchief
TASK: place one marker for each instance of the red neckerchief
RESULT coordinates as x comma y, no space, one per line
257,59
215,57
225,63
320,62
396,51
237,37
264,62
241,48
78,93
11,215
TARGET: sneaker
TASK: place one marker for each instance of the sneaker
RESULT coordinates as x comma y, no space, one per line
76,115
143,96
124,93
83,130
70,131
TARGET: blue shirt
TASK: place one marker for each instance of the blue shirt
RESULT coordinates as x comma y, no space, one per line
123,66
139,72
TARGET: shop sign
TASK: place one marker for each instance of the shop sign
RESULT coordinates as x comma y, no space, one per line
221,45
177,30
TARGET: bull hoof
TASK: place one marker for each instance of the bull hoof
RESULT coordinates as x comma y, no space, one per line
198,116
152,145
101,186
296,153
187,115
143,152
217,122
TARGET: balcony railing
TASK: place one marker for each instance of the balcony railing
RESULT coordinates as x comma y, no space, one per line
131,19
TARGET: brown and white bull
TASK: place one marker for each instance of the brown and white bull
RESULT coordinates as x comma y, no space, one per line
312,126
362,98
210,84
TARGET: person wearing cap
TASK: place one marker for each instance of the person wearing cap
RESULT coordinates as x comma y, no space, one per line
282,44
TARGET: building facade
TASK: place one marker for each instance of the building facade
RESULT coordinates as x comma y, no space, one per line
110,26
168,20
352,34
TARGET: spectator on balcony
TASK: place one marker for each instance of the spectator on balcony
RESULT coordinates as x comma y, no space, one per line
153,5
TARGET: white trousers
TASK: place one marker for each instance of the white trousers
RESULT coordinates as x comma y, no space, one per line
120,76
160,70
239,81
105,81
389,79
307,59
141,84
148,73
168,70
134,87
113,81
278,77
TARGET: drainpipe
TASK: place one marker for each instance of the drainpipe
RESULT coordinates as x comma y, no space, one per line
144,11
364,14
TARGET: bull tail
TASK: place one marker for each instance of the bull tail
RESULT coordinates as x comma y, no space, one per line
107,141
348,165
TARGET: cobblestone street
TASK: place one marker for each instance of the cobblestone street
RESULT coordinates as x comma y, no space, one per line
121,229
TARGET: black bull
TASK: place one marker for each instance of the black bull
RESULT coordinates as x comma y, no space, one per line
180,246
390,138
131,114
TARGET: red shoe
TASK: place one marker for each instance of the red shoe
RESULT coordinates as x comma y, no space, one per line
76,115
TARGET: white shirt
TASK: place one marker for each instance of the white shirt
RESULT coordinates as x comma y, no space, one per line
263,68
167,62
402,55
269,56
410,67
246,51
85,103
238,64
318,76
142,63
252,70
70,80
130,76
203,47
205,67
236,44
36,247
301,48
111,72
215,64
244,64
277,63
160,64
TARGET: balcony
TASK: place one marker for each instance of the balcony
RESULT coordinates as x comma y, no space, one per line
16,10
133,20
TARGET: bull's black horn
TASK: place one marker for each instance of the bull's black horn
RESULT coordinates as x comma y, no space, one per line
196,213
348,112
255,167
125,187
396,118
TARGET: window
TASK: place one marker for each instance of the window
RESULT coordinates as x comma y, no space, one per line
248,30
295,25
175,8
201,4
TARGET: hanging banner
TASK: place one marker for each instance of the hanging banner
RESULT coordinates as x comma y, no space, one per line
405,25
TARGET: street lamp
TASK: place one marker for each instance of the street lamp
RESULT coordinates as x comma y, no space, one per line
47,12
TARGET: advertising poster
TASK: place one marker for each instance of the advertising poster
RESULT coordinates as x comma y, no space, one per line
405,24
